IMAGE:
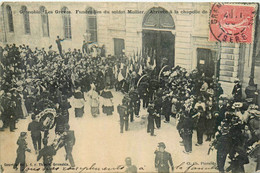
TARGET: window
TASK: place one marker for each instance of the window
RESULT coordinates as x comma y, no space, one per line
10,18
119,46
92,24
66,22
45,22
26,20
162,19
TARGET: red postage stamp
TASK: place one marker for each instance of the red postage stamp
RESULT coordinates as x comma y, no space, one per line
231,23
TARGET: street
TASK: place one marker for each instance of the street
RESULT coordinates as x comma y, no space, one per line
100,147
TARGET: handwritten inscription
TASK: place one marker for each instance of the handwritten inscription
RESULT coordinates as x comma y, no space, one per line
195,166
64,167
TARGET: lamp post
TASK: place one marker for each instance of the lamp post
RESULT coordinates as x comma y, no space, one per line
216,57
252,87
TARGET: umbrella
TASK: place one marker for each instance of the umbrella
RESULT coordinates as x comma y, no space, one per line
107,94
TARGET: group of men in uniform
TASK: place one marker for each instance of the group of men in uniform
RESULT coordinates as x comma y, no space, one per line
66,140
129,108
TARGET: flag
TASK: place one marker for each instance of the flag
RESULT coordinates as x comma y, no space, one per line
154,63
150,52
140,55
115,71
131,67
148,60
134,57
131,60
140,70
120,76
127,72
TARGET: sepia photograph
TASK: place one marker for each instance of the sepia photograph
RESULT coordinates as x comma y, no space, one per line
97,87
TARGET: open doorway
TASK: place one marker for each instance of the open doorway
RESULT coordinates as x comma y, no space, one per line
205,62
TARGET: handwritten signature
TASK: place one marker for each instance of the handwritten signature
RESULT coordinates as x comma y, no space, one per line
195,166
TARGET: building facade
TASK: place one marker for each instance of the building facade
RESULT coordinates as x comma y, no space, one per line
177,31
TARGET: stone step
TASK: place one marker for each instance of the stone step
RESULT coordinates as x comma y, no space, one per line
227,68
226,73
227,62
227,56
227,50
257,63
228,45
225,78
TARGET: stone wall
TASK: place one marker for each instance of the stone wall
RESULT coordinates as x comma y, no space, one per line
191,32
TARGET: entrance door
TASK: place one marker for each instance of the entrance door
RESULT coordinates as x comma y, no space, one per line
159,45
205,62
119,46
158,40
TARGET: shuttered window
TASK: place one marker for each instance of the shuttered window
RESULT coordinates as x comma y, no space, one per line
92,24
26,20
66,23
10,18
45,22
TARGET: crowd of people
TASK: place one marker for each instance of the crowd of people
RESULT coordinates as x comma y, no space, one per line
38,83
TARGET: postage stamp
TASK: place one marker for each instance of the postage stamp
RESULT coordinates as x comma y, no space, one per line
231,23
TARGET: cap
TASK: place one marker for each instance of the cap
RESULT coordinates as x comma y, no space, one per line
236,80
45,141
128,159
238,104
151,104
23,134
224,131
161,144
67,126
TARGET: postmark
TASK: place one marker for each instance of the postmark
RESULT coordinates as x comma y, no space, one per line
231,23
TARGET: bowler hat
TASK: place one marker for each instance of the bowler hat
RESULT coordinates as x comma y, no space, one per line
23,134
161,144
236,80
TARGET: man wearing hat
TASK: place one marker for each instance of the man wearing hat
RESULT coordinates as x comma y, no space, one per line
254,124
143,90
163,159
223,145
22,148
47,153
58,41
151,117
69,142
85,49
135,102
130,168
11,115
158,102
124,116
237,91
35,128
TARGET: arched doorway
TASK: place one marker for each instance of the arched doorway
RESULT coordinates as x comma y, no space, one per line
157,39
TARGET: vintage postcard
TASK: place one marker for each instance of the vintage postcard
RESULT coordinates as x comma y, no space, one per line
129,87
